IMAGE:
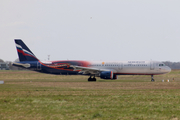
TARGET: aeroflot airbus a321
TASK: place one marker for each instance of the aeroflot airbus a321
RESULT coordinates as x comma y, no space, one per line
102,69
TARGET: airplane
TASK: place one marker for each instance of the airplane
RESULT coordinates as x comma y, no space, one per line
103,69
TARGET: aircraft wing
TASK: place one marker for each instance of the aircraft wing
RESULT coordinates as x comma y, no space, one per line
87,70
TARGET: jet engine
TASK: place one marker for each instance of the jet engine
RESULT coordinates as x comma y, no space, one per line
107,75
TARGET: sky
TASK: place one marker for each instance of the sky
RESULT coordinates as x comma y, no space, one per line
92,29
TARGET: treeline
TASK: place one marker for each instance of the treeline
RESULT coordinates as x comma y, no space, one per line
172,65
10,66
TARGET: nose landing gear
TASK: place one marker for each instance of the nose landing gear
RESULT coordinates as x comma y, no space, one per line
92,79
152,79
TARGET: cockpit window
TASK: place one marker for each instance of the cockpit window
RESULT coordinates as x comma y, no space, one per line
161,64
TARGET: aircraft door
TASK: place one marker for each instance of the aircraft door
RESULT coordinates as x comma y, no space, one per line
120,66
38,66
152,65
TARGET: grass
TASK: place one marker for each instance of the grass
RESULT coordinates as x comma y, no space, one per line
29,95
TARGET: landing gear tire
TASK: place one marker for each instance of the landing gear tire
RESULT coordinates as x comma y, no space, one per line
152,79
91,79
94,79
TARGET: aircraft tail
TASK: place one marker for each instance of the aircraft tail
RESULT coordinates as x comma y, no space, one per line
24,52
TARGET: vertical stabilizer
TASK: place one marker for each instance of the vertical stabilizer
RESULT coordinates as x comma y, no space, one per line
24,52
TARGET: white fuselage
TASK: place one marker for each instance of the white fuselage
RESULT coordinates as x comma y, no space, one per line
132,67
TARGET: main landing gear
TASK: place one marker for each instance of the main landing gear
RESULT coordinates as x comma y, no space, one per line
152,79
92,79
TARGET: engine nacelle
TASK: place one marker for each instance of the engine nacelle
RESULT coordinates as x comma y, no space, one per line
107,75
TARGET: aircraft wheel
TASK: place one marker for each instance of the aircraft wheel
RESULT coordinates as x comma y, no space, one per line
152,79
91,79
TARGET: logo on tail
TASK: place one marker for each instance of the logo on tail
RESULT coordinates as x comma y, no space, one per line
24,52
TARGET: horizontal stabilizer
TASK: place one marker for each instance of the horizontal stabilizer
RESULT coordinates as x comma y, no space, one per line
22,65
